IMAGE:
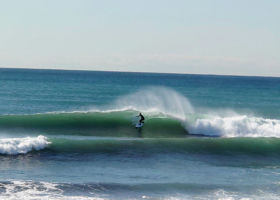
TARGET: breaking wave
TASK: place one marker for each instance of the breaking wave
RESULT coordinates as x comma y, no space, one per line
236,126
13,146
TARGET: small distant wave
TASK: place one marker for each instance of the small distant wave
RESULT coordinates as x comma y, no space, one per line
13,146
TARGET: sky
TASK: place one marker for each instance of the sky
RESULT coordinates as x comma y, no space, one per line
232,37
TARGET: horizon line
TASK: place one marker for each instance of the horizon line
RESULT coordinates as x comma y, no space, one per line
145,72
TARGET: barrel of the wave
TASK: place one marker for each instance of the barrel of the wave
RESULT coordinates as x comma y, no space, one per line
95,123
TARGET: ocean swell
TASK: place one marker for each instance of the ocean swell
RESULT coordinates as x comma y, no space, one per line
204,145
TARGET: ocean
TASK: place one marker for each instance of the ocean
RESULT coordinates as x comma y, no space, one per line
71,135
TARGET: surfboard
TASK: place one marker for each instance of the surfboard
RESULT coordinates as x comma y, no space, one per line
139,125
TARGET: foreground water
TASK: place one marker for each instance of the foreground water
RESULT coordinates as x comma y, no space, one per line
71,135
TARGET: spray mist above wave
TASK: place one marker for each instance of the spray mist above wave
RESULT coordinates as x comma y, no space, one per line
13,146
157,100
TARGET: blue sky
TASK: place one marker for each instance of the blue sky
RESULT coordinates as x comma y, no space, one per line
240,37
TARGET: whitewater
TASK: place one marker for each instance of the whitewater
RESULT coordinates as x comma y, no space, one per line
72,135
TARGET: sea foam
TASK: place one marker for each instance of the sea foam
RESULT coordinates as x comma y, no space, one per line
28,190
236,126
13,146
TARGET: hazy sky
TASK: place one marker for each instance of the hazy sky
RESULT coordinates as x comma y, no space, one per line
239,37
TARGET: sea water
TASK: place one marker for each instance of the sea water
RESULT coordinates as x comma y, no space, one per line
72,135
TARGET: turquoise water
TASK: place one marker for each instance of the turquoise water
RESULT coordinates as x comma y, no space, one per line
72,135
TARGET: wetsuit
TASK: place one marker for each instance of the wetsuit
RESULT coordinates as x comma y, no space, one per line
141,119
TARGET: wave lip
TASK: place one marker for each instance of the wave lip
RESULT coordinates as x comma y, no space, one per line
13,146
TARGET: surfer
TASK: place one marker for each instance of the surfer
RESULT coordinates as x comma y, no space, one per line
142,118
